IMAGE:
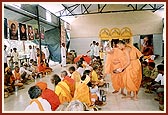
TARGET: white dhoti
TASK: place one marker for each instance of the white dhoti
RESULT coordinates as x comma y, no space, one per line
63,56
63,61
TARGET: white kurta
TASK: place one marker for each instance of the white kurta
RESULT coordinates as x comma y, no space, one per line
63,56
15,56
34,107
5,56
47,53
33,54
96,51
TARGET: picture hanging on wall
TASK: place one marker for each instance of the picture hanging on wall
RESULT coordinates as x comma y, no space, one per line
23,34
30,32
13,29
147,44
36,33
42,32
5,28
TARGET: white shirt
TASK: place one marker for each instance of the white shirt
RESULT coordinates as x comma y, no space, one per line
95,90
160,77
63,52
92,49
96,50
22,70
80,70
15,56
5,56
33,54
47,53
34,107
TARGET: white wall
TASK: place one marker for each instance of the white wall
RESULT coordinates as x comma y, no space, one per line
81,45
140,22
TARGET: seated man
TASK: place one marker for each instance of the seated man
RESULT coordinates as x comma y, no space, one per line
25,74
17,77
8,82
70,82
75,76
159,87
146,72
43,69
37,103
153,75
49,95
82,92
61,89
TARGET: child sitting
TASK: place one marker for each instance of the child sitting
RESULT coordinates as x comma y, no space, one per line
159,87
153,75
95,78
147,68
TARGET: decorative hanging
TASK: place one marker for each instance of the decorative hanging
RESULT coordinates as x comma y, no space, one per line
104,34
115,33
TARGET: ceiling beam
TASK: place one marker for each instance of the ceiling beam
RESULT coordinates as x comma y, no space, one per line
66,8
143,6
73,8
86,9
131,6
159,8
103,8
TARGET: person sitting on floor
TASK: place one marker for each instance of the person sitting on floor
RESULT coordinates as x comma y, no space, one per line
49,95
82,92
80,67
95,78
37,103
18,80
69,81
43,69
158,86
61,89
75,76
153,75
25,74
146,72
8,82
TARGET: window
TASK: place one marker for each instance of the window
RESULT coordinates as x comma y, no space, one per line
48,16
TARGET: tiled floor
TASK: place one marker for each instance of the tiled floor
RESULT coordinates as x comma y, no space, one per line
146,103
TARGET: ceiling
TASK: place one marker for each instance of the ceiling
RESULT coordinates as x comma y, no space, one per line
63,10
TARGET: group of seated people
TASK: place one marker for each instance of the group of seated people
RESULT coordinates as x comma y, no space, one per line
153,80
23,75
75,90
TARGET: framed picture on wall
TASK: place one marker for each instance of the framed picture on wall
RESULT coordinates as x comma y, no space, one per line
36,33
13,29
146,42
30,32
23,33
